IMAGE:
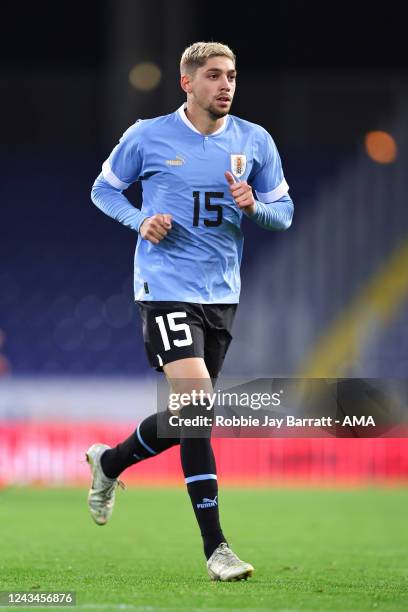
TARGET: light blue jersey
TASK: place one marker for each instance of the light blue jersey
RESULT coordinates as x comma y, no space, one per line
182,173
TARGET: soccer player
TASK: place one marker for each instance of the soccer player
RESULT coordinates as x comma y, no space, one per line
199,168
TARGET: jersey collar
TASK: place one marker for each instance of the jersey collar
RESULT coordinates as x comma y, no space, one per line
182,113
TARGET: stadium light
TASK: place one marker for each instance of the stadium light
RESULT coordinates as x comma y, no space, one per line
145,76
381,147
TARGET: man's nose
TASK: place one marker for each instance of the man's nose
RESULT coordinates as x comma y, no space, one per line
226,84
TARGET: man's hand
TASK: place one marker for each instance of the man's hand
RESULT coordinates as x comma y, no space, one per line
242,194
155,228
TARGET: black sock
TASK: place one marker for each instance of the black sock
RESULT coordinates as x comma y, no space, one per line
141,444
197,459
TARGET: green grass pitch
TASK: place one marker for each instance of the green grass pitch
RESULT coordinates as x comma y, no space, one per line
312,549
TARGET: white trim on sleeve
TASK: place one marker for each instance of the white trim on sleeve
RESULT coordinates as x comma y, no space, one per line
111,176
275,194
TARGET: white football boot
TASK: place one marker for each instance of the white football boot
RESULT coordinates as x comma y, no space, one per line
101,496
226,566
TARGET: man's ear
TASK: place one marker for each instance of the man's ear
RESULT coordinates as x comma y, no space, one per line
185,83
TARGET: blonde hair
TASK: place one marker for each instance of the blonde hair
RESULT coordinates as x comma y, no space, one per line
198,53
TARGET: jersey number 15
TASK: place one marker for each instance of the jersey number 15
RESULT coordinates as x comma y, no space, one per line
208,206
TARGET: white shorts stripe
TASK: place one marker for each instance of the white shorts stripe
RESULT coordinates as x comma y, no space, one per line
275,194
111,177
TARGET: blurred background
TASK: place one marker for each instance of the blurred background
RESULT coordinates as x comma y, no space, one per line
327,298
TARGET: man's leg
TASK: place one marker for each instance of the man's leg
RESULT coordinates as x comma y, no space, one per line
142,444
108,463
197,457
198,462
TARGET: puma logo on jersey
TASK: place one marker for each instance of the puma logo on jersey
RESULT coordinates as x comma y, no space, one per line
179,161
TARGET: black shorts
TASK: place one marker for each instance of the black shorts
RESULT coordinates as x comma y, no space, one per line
176,330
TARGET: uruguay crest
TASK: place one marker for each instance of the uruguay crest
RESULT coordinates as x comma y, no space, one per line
238,165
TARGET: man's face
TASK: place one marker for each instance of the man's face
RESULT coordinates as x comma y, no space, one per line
212,87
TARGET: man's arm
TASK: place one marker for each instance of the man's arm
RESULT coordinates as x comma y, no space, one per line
112,202
119,171
276,215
